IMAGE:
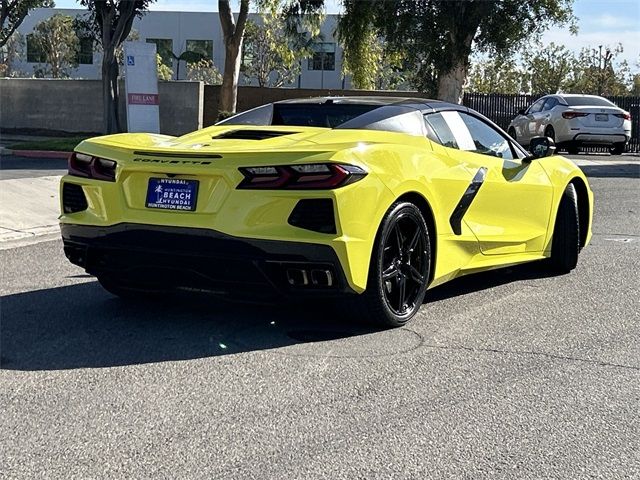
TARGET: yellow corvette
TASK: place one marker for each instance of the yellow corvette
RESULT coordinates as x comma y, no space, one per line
370,199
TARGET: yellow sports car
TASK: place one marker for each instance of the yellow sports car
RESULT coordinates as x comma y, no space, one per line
369,199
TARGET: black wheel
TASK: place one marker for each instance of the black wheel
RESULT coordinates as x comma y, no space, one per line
128,291
512,133
399,269
617,148
550,132
565,245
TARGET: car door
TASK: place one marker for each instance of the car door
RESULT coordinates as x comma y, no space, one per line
545,115
508,203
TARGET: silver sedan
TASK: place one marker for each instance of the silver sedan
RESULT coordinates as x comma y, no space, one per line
572,121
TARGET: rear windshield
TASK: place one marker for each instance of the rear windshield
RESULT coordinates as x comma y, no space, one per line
588,102
327,115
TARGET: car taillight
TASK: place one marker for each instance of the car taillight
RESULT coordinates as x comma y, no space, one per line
315,176
82,165
624,115
569,114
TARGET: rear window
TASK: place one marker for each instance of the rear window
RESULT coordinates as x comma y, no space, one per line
327,115
588,102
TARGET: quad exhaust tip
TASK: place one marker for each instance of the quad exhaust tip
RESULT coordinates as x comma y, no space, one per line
300,277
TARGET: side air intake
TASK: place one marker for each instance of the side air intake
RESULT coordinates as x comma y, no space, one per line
314,214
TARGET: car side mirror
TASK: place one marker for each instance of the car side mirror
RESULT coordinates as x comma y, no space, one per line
541,147
521,111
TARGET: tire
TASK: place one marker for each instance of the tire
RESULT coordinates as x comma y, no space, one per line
128,291
399,269
550,132
573,148
512,133
565,245
617,148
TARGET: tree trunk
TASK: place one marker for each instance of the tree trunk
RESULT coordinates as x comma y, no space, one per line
229,89
233,34
451,83
111,121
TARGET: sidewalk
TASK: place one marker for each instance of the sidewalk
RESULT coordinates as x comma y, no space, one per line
29,208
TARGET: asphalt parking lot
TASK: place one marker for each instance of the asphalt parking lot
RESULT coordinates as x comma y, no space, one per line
508,374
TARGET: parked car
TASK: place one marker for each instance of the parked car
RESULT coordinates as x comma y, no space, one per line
572,121
372,200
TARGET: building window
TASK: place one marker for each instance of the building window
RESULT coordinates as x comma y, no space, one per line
34,52
85,51
164,47
204,48
324,57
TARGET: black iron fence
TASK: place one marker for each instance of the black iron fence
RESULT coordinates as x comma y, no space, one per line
502,108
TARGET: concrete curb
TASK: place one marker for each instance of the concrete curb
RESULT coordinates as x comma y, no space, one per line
36,153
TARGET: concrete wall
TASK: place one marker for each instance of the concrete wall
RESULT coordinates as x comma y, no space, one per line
249,97
76,105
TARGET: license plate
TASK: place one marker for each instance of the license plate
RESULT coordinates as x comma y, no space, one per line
172,194
602,117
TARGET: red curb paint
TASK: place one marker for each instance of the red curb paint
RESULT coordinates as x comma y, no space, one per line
39,153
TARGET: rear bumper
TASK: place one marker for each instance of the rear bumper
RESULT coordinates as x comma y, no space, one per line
600,138
170,258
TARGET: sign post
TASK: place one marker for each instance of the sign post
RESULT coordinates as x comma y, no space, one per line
141,85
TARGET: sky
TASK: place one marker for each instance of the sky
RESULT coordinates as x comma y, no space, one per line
600,22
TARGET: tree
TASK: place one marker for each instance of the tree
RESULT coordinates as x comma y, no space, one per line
438,35
548,68
13,12
635,85
598,73
204,71
56,40
272,53
233,35
384,68
10,53
113,20
294,13
499,74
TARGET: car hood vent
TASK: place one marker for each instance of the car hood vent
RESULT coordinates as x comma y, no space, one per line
251,134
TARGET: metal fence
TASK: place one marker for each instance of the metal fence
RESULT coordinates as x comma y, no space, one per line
502,108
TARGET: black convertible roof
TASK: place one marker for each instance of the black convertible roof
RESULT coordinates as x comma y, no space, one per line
392,114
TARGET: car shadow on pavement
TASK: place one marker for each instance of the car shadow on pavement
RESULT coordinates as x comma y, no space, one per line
82,326
622,170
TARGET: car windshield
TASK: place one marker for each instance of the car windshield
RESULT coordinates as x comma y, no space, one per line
588,101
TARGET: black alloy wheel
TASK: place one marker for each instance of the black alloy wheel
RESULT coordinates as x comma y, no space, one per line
399,270
404,264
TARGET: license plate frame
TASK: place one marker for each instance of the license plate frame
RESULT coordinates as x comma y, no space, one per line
172,194
602,117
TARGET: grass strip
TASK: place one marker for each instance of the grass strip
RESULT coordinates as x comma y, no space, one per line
53,144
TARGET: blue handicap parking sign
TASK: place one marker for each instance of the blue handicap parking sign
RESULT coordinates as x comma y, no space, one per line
131,60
